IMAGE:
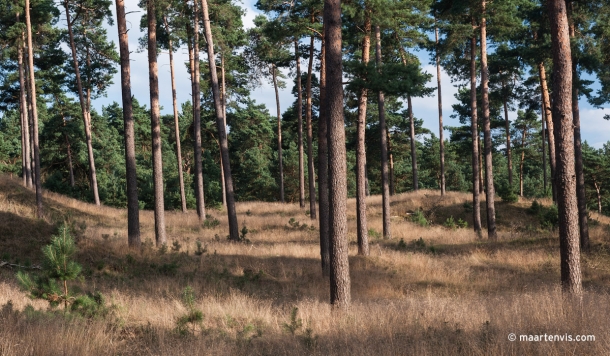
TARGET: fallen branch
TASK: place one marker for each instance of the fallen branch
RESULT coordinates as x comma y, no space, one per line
11,265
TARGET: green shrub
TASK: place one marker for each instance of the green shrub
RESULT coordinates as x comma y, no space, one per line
188,323
419,218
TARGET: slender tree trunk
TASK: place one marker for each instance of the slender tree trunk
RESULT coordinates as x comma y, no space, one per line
70,167
339,264
412,139
384,146
279,131
481,180
476,202
323,167
224,119
391,165
28,93
85,112
220,123
311,175
25,127
565,180
544,150
196,77
155,126
37,180
489,176
548,116
361,221
522,160
440,112
509,155
176,120
599,198
300,124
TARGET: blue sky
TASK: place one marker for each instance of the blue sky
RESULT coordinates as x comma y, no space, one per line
595,129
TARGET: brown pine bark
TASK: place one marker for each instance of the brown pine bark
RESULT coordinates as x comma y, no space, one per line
224,118
412,139
70,167
599,197
323,167
308,107
273,70
25,127
361,221
133,209
28,94
384,146
220,123
489,177
476,202
544,177
548,116
196,77
300,125
565,180
440,112
523,134
176,120
339,264
37,181
84,109
155,126
509,151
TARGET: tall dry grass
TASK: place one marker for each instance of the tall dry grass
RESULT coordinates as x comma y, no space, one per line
427,291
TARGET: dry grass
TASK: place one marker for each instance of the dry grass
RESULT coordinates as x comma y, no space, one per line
450,293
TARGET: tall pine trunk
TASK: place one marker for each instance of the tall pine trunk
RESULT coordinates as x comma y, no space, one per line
544,177
155,126
548,117
384,145
323,167
25,127
489,177
361,221
308,107
509,154
223,94
220,123
412,139
37,180
133,210
440,113
523,134
565,180
279,131
28,94
176,120
300,125
476,202
84,110
340,295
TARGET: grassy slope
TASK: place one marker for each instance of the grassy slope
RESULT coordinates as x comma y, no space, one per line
449,293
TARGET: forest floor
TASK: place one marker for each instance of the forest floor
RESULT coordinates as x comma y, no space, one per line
432,289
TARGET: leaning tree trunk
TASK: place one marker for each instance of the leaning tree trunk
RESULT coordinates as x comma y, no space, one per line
384,146
220,123
176,120
476,202
25,127
361,221
223,94
308,105
440,112
323,167
412,139
196,77
38,183
83,105
300,126
339,264
489,177
279,131
155,126
548,116
565,180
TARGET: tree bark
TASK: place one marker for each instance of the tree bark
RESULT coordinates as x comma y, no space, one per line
569,242
155,126
70,167
361,221
412,139
384,146
489,177
300,126
544,150
339,264
133,209
476,203
323,167
509,155
599,198
521,162
223,94
440,112
279,131
220,123
308,107
85,112
37,180
28,93
176,120
25,127
548,116
196,77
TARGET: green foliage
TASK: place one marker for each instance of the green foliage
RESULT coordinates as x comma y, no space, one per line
374,233
451,223
210,222
419,218
295,322
187,324
548,217
200,250
507,194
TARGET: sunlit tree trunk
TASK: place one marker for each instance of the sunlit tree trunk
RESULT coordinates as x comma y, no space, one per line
25,127
308,107
384,147
323,167
224,118
279,130
509,155
300,125
548,116
476,203
440,112
412,139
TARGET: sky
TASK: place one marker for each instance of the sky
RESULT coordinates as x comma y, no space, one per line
594,129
